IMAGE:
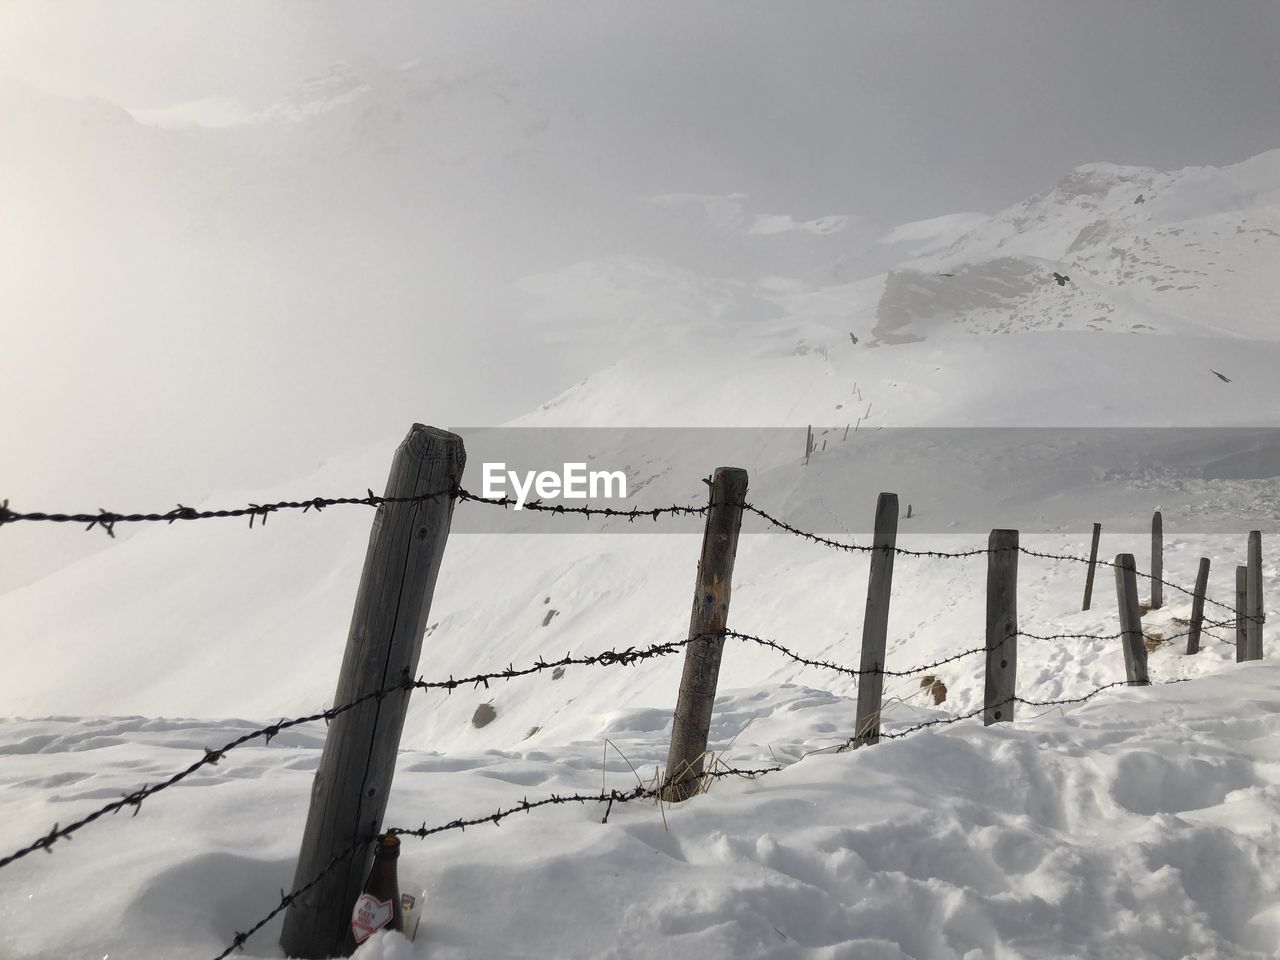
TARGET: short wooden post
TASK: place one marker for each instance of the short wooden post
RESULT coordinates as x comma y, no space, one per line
1242,604
1093,566
1157,561
875,622
352,783
1135,650
808,443
692,724
1253,597
1002,626
1197,607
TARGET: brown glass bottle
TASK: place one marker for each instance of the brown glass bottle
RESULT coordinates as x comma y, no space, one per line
378,906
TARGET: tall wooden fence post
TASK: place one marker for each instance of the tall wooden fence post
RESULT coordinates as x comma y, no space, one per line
1197,607
1093,566
1242,621
875,622
1002,626
352,783
1253,596
692,724
1157,561
1135,649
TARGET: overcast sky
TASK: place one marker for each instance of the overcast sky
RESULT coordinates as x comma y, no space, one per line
192,311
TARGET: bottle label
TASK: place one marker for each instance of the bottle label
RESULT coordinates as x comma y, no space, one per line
370,914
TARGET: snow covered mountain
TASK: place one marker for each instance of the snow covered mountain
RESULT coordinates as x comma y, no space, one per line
1164,252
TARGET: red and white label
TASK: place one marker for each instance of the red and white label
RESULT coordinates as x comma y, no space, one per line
370,914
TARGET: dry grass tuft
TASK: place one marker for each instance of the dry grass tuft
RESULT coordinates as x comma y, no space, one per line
1153,639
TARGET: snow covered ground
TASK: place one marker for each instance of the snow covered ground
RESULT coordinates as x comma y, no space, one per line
1141,824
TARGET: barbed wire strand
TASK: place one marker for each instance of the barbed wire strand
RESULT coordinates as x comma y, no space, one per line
631,514
107,520
970,552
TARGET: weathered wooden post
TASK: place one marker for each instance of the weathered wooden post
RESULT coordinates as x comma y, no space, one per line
1157,561
1135,650
808,443
1253,597
1197,607
875,622
692,724
352,783
1242,623
1002,626
1093,566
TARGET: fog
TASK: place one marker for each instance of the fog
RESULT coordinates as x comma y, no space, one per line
237,238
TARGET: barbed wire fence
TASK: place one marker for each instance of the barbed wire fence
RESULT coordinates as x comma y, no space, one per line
630,656
107,520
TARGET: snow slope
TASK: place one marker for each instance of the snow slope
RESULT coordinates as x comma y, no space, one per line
1140,825
1105,831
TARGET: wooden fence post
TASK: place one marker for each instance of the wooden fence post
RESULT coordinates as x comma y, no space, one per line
1242,603
692,723
875,622
1157,561
1002,626
1093,566
1197,607
808,443
352,783
1253,597
1135,650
